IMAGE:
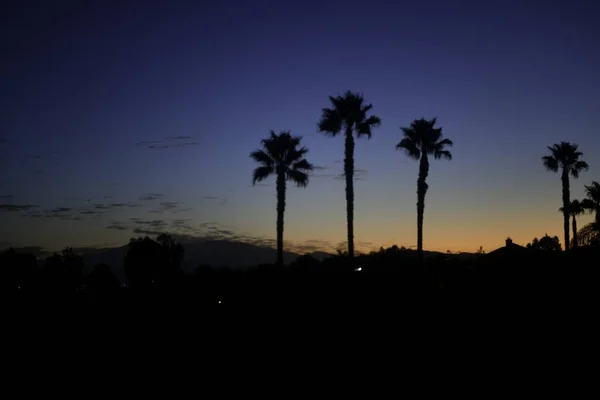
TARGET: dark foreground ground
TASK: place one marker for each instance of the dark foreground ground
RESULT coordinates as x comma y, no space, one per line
541,283
394,311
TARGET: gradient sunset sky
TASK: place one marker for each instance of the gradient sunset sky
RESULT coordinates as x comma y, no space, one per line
121,118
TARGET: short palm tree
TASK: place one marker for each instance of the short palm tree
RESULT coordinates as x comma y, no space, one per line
564,156
281,156
575,208
592,202
348,116
421,140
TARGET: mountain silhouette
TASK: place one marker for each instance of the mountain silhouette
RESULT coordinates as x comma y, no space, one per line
216,253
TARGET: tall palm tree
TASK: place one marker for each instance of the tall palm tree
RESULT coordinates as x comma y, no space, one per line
592,202
575,208
421,140
281,156
566,157
348,115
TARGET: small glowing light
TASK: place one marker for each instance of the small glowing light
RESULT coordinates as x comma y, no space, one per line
358,269
18,287
220,302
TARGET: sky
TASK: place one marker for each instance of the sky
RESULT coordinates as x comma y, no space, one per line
125,118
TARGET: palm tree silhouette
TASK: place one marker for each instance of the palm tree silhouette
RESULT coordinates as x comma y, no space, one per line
564,156
280,156
348,114
575,208
592,202
420,141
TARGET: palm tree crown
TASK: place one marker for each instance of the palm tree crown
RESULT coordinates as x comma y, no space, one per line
592,202
565,156
575,208
280,153
423,138
349,113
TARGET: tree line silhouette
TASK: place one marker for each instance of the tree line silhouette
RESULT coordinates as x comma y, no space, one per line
350,115
386,277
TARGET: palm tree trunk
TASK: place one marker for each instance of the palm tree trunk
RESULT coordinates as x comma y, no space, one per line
421,191
349,174
575,244
566,202
280,212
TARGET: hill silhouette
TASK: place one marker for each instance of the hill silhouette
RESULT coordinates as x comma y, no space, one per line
216,253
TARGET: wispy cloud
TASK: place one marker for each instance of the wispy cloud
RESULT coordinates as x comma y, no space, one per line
90,212
157,223
165,206
359,175
167,143
210,197
70,218
180,221
177,137
17,207
118,226
309,246
83,199
224,201
144,231
187,144
208,224
147,142
151,197
7,197
61,209
181,210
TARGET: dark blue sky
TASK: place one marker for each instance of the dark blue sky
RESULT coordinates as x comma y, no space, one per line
83,82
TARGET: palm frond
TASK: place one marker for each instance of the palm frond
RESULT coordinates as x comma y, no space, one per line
593,193
589,234
262,158
574,208
330,123
411,134
410,147
261,173
442,154
302,165
298,177
364,128
578,167
445,142
589,205
551,163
